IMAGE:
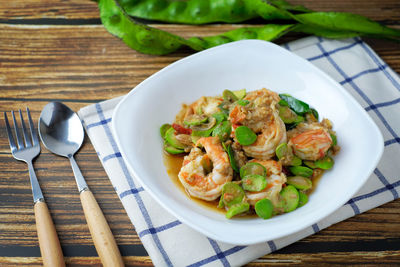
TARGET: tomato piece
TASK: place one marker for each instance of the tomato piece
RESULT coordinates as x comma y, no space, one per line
180,129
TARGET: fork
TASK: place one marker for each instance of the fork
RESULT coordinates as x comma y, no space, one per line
50,248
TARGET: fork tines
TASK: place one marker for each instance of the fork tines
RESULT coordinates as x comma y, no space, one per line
27,136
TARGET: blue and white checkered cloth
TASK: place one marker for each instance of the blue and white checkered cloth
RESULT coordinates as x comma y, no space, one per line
170,243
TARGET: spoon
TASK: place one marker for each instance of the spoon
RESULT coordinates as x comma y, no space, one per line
61,132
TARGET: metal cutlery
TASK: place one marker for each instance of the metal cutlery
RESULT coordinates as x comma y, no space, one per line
50,248
61,132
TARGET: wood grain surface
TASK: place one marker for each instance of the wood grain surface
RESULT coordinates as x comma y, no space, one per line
58,50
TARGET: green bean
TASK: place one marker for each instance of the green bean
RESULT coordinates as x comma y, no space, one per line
300,182
325,163
240,94
172,150
264,208
195,119
171,139
210,124
310,164
281,150
231,194
303,199
301,171
253,168
254,182
163,129
290,197
245,135
296,161
229,96
237,209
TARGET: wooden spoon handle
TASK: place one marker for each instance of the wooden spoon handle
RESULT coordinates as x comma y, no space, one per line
48,240
102,237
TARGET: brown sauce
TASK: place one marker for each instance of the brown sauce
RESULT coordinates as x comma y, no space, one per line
315,180
173,164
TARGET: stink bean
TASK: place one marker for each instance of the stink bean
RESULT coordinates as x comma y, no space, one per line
268,32
145,39
138,36
203,11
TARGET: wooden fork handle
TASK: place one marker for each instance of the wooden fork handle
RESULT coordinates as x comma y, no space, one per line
102,237
48,240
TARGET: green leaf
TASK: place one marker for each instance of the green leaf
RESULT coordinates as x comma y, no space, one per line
231,157
220,116
295,104
222,130
334,139
243,102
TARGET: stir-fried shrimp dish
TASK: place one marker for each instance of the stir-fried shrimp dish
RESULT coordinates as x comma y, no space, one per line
252,153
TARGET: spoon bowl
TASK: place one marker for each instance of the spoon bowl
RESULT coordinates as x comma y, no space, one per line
61,132
60,129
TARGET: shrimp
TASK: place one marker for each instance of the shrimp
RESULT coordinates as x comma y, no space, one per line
275,178
204,174
312,142
262,117
206,105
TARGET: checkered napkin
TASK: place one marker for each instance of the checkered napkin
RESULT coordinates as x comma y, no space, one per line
170,243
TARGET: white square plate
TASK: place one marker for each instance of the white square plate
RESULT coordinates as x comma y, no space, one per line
249,64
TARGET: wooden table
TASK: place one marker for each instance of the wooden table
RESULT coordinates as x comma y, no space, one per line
55,50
